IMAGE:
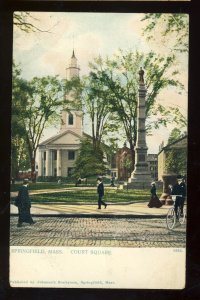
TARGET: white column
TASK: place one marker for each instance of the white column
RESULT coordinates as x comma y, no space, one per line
59,162
48,161
40,164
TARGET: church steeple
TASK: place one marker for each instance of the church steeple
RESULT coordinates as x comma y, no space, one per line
73,55
72,115
73,69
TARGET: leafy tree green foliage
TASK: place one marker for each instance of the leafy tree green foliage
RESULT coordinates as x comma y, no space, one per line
176,161
91,96
176,158
34,106
167,115
19,152
119,78
175,135
169,25
90,161
127,164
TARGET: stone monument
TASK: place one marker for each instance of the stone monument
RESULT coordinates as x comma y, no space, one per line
141,177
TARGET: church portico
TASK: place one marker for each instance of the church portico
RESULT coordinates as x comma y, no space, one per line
57,162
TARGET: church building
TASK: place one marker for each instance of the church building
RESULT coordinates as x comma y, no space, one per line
58,154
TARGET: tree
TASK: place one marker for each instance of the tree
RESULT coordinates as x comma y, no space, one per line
119,76
127,164
167,115
175,135
34,106
169,26
21,147
19,151
24,21
90,162
176,158
90,94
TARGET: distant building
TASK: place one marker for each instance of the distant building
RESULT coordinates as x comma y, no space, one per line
123,163
113,166
179,147
152,160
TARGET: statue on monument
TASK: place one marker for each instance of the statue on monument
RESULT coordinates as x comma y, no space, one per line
141,73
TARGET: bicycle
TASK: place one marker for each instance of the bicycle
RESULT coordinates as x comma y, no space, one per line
171,219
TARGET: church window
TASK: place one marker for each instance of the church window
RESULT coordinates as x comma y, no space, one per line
70,119
71,155
44,155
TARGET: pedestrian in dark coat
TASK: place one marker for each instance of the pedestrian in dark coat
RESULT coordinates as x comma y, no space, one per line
179,189
154,201
24,205
100,191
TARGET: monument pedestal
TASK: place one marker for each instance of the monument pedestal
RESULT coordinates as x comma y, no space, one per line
139,180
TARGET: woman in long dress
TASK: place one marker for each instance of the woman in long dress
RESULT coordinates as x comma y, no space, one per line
24,205
154,201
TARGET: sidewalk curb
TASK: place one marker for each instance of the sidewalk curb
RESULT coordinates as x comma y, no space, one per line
82,215
85,203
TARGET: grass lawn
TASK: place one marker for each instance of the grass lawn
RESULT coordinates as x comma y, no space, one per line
54,185
90,196
41,186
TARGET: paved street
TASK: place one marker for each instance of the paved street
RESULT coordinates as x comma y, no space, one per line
100,232
139,209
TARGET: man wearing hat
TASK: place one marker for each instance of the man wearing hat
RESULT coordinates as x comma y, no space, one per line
100,191
179,189
24,205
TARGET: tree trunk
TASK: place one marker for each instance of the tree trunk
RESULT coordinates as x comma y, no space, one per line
33,172
33,167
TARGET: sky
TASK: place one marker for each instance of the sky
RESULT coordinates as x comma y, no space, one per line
90,34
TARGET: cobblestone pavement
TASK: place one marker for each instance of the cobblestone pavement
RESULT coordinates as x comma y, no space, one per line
100,232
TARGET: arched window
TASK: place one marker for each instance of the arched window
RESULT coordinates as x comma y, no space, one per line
70,119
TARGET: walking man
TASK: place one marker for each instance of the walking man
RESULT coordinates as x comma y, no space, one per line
24,205
100,191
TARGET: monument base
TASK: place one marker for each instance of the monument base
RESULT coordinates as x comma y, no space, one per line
140,182
138,185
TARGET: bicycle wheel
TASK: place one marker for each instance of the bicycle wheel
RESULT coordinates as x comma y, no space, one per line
182,216
171,218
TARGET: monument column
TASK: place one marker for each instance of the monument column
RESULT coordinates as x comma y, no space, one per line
141,177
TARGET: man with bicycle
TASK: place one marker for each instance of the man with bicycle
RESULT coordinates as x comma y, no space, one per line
179,190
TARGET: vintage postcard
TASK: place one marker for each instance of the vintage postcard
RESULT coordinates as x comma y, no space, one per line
99,150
